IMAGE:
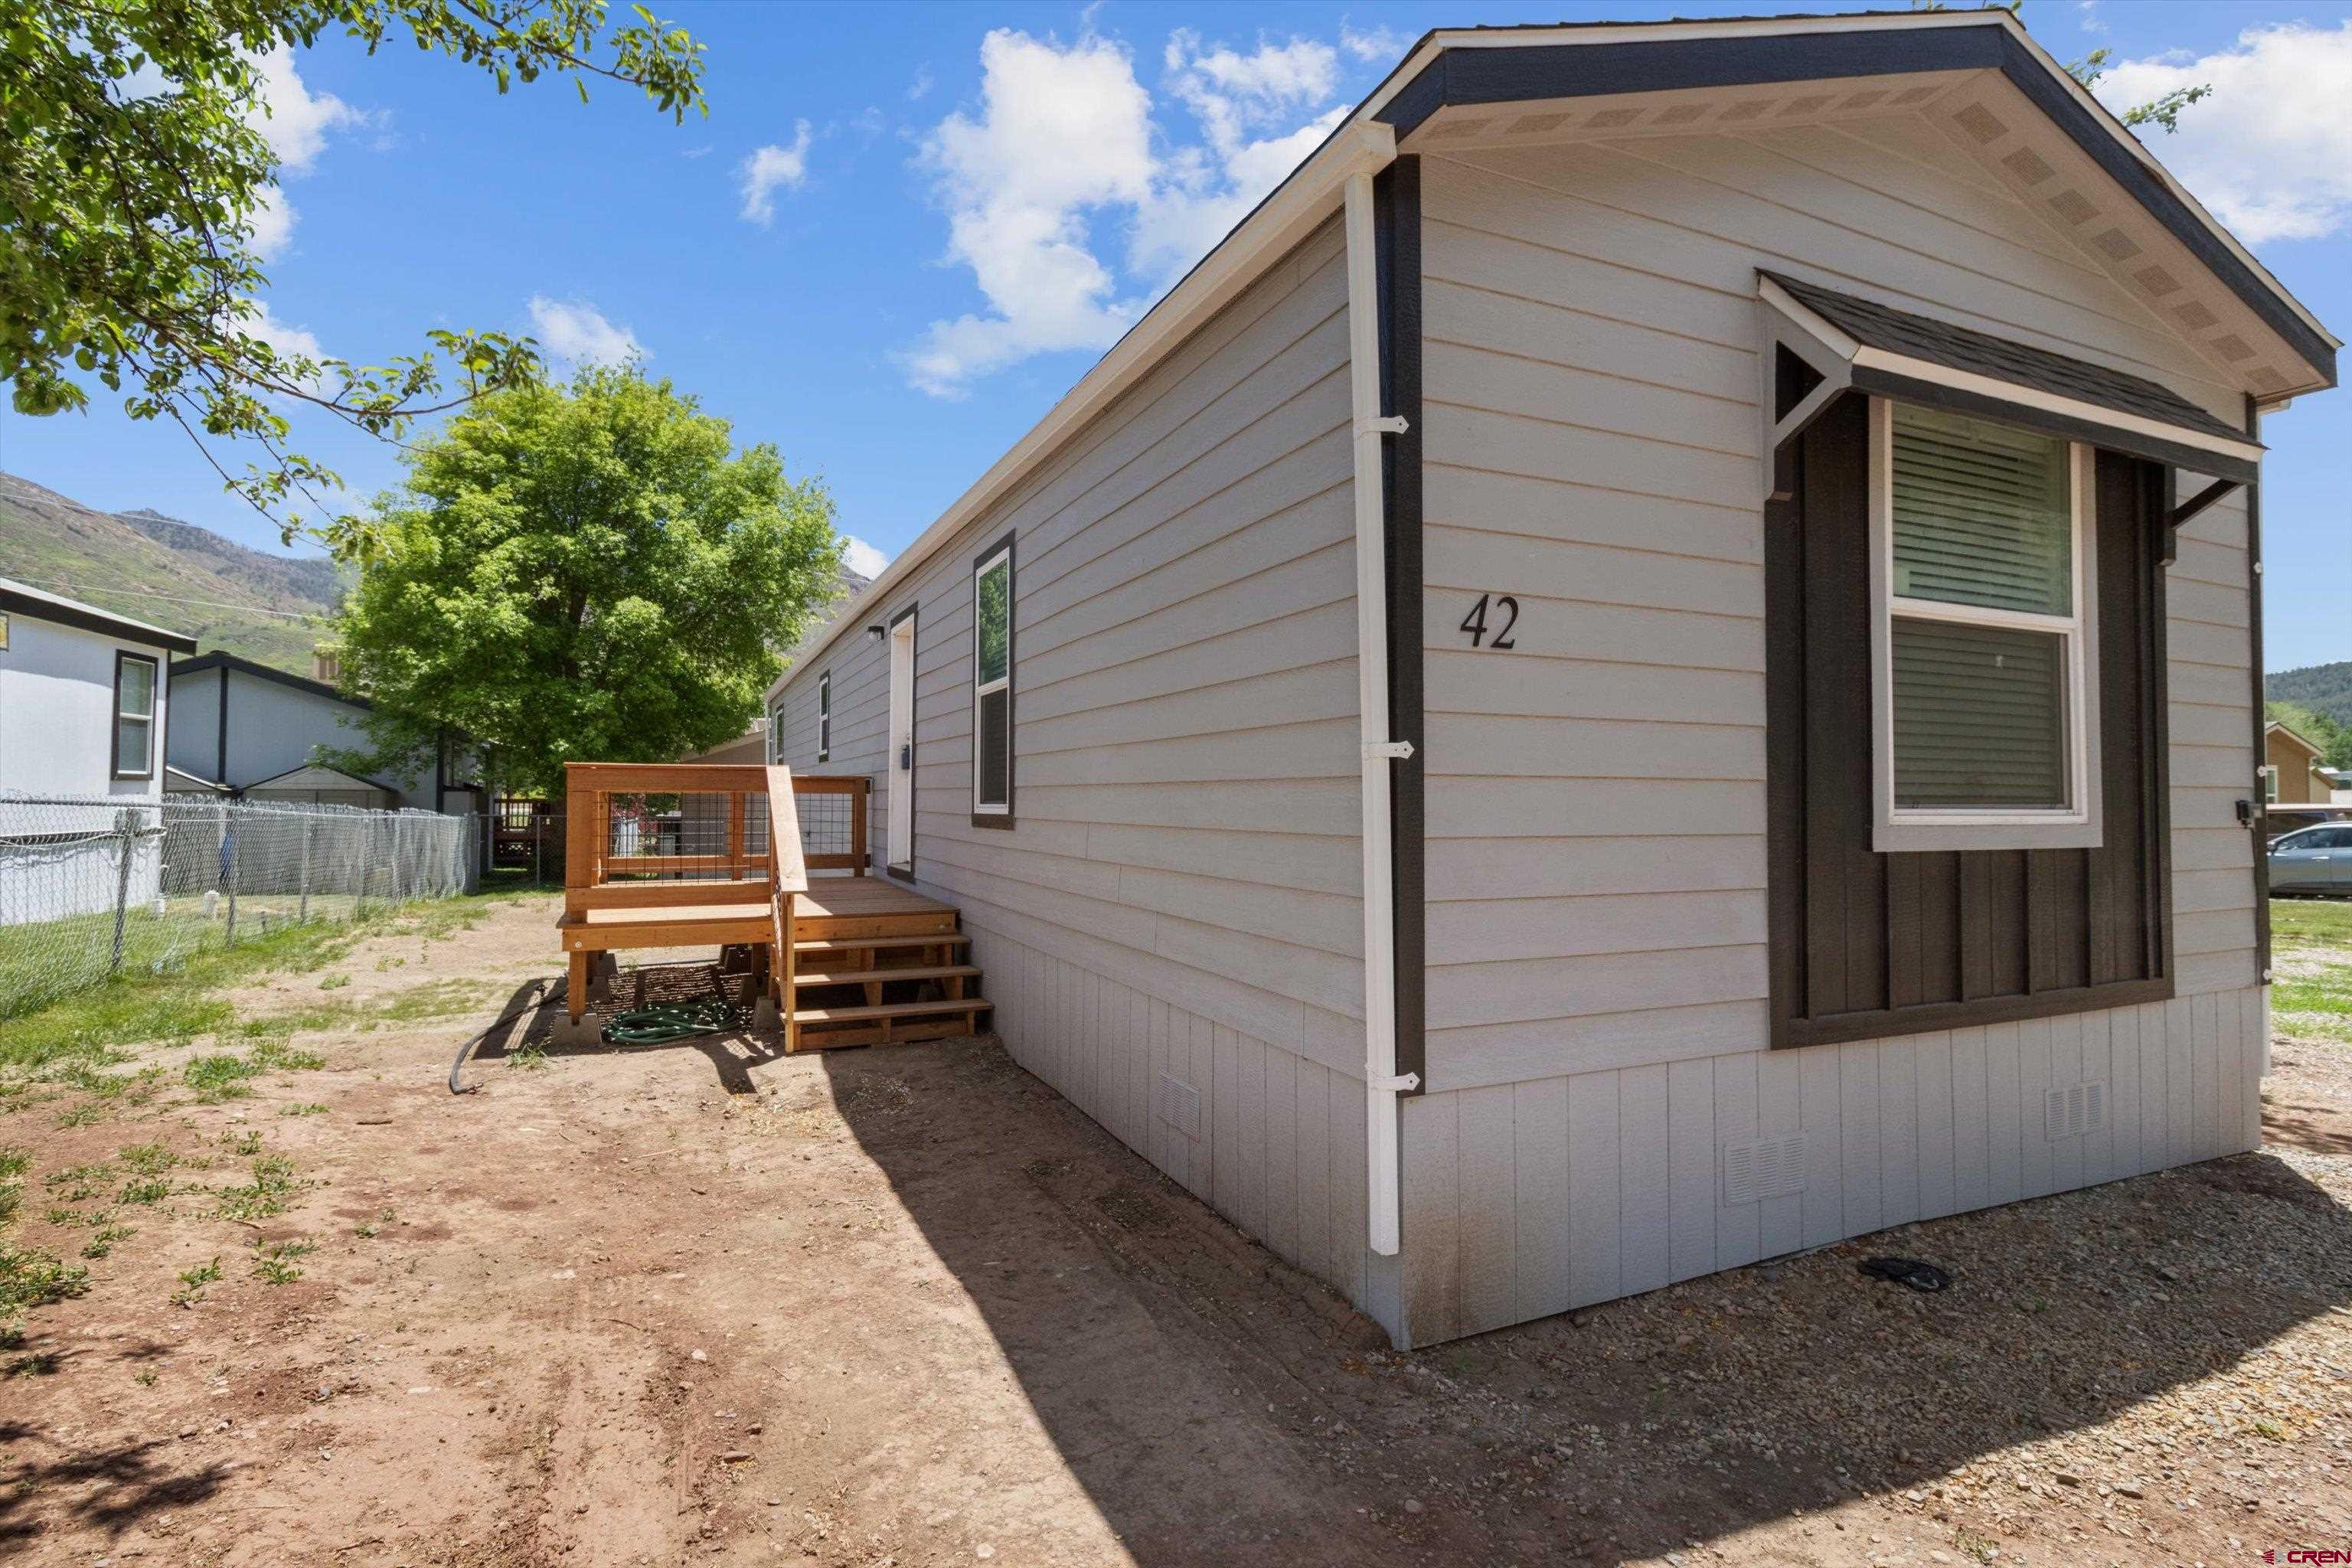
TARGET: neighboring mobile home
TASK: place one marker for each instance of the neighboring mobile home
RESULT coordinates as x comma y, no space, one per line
257,732
1653,663
84,704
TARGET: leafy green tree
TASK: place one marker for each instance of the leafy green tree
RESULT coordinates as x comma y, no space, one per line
586,573
131,171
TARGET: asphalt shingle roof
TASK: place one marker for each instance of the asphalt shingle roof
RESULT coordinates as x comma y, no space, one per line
1960,348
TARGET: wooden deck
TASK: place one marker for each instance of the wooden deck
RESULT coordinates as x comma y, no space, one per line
839,961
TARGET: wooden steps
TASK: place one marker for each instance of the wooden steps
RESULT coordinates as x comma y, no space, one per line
874,963
873,976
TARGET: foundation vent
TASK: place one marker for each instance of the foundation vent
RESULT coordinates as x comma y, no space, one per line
2077,1109
1767,1168
1180,1106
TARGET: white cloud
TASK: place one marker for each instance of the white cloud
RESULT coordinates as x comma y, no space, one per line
1064,141
861,557
2271,151
769,167
920,87
576,331
286,337
2087,16
295,121
1383,46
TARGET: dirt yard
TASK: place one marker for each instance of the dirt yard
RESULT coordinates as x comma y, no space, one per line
906,1306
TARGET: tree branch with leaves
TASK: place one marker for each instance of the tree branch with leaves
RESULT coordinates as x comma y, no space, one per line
132,171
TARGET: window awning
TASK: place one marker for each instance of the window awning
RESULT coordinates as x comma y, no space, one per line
1841,343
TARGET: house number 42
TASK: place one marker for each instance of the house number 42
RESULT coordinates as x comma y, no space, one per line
1496,637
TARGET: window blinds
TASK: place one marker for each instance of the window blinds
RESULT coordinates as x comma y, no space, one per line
1982,514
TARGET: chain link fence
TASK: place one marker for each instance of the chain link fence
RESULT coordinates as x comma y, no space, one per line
91,888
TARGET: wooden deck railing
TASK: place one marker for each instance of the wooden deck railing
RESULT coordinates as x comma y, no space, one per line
598,878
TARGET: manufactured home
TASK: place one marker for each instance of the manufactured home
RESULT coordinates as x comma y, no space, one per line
1656,662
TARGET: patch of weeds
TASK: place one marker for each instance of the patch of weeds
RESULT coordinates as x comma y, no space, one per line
242,1144
15,1162
83,1115
278,1059
145,1190
334,982
368,1228
1969,1543
271,1191
43,1364
144,1379
218,1077
62,1216
528,1056
2264,1427
75,1184
147,1159
192,1283
273,1264
387,964
31,1280
302,1111
102,1240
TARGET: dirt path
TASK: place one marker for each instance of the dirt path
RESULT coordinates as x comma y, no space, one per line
906,1306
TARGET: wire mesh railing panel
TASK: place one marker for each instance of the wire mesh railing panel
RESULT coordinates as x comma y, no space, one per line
91,888
826,820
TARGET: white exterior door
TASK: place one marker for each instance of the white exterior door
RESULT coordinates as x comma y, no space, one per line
902,743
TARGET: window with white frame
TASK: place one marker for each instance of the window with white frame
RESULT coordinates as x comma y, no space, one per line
2270,784
776,733
991,683
135,716
825,717
1982,632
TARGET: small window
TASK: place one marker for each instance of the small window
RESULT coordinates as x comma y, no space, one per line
1983,632
991,690
776,734
2270,784
135,716
825,717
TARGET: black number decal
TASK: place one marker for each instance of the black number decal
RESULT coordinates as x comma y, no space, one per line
1474,623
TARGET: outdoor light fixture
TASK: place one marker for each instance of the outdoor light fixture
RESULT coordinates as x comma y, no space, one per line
875,632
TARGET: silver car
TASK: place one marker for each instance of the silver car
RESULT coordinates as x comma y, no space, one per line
2313,860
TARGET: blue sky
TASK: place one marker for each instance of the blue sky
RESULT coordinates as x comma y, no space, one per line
866,259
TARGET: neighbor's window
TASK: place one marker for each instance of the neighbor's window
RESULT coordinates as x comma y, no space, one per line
2270,784
991,684
135,716
1985,630
825,717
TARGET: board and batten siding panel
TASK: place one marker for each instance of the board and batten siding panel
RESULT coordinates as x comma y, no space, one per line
1596,868
1171,931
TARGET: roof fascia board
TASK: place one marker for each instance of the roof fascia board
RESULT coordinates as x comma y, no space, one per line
1311,194
1453,68
1891,363
84,617
220,658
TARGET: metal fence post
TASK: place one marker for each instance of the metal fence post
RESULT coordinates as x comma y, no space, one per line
236,852
126,826
304,913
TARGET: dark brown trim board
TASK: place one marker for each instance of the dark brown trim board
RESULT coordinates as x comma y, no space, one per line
1396,228
1005,547
1864,944
2260,696
88,619
158,702
902,871
1514,75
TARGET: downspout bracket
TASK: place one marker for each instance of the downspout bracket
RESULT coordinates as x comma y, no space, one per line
1392,750
1400,1083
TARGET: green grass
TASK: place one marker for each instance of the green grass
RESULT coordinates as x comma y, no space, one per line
177,1006
2311,964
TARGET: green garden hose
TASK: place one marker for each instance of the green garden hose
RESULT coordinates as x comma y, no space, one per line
671,1021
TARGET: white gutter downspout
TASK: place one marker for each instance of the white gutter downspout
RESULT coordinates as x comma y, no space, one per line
1381,1081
